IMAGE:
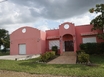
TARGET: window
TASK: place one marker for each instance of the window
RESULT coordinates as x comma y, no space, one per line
54,43
89,39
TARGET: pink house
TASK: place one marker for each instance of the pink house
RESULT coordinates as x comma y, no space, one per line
28,40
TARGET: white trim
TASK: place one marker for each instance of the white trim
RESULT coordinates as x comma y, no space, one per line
89,39
64,46
54,43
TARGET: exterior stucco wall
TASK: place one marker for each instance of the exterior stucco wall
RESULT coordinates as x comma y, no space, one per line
54,32
52,35
70,30
37,41
83,29
30,38
43,41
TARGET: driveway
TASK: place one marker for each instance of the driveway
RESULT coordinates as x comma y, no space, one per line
18,57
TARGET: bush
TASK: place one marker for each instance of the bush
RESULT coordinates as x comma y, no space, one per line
47,56
55,48
83,57
79,51
93,48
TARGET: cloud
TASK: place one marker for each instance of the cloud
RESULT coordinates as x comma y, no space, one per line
57,9
81,20
15,13
43,27
13,27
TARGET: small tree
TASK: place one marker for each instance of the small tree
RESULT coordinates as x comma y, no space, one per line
98,22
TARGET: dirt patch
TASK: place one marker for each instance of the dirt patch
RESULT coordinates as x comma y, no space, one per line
4,73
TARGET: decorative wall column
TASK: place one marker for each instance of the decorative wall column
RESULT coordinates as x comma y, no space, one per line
61,45
74,42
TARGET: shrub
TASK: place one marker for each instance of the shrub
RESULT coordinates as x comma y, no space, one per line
93,48
79,51
83,57
101,47
47,56
55,48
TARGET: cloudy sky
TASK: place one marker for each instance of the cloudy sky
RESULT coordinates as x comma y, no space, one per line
45,14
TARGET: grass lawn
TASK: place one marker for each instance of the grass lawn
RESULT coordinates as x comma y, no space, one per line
78,70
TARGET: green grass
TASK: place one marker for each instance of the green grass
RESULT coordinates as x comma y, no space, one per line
99,59
78,70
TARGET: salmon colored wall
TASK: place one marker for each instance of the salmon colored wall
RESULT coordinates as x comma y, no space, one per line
51,33
43,41
67,37
29,38
54,32
83,29
63,31
70,30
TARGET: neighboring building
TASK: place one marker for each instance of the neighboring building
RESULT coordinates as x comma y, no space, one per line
68,37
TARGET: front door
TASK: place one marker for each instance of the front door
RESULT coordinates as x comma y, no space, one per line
69,46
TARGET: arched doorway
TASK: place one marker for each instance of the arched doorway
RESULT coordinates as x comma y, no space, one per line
68,43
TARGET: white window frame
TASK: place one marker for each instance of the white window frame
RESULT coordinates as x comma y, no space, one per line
54,43
89,40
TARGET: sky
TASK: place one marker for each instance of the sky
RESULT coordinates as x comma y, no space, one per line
45,14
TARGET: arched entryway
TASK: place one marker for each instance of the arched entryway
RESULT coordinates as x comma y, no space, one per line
68,45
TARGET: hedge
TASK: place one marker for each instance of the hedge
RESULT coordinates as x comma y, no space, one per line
93,48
